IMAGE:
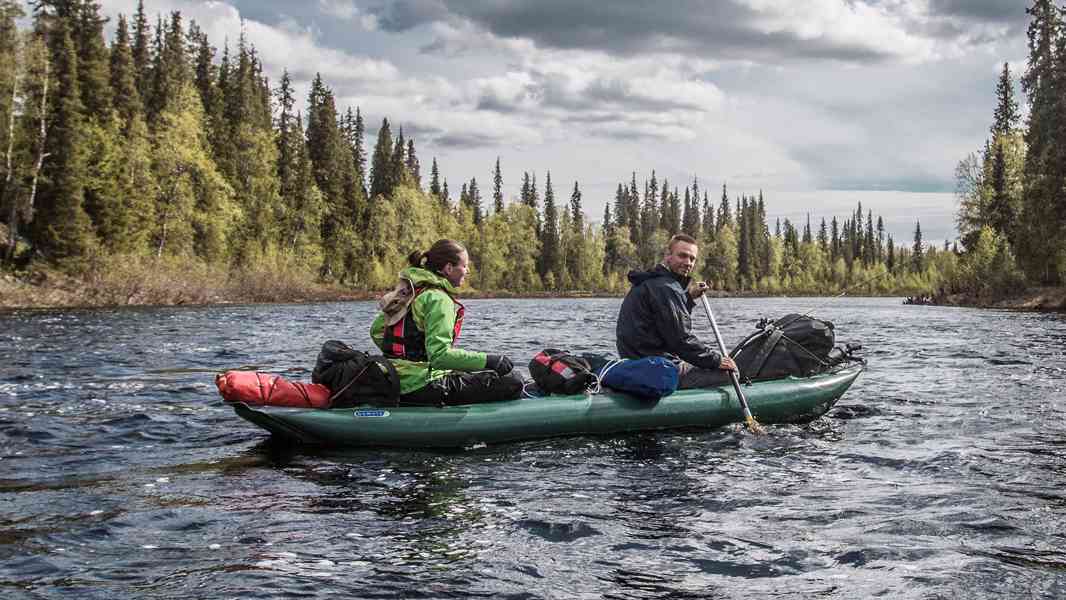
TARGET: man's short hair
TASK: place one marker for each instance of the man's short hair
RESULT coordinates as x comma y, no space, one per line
679,237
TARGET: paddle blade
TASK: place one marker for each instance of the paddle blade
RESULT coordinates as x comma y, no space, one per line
753,425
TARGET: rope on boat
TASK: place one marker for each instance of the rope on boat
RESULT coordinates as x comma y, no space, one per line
598,386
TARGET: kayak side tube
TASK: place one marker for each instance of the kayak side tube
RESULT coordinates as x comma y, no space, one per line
788,400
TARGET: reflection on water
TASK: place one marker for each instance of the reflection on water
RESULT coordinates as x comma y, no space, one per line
939,475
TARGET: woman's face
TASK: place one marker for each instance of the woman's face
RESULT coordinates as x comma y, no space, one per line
455,273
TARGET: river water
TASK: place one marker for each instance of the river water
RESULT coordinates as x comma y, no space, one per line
940,474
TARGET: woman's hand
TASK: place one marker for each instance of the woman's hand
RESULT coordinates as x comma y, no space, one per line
499,363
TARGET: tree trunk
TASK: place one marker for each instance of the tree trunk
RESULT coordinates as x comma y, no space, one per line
6,190
166,214
162,236
42,134
10,131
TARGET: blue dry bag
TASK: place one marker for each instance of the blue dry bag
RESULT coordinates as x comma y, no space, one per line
651,377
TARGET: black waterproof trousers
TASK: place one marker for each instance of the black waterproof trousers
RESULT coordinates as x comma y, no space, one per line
458,387
694,377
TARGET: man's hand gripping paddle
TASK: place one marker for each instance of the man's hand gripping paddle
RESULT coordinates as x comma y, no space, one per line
749,420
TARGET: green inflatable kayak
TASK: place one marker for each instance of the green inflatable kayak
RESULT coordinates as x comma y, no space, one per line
788,400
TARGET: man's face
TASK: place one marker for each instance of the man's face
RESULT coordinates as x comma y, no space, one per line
681,257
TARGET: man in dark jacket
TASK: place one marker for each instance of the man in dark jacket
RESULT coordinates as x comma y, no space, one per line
656,318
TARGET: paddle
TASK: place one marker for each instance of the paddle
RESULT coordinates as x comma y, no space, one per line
749,420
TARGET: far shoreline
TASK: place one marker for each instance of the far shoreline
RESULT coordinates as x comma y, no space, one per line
1033,299
58,292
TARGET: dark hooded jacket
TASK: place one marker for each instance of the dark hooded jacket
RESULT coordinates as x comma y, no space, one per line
656,320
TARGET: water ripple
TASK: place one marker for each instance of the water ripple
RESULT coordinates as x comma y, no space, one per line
939,475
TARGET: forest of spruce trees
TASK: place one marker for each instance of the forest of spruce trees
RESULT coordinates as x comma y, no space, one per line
162,150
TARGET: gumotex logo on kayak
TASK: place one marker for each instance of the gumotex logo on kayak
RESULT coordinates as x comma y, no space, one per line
372,413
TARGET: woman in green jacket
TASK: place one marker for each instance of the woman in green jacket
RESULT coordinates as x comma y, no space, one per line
417,329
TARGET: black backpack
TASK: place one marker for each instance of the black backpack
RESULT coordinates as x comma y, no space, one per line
559,372
796,345
355,377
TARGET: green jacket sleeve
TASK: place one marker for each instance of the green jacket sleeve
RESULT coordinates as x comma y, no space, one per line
438,319
377,331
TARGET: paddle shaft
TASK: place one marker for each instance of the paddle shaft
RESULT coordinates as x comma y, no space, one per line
733,376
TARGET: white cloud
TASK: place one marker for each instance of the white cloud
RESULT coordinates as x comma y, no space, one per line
341,9
856,24
458,38
346,10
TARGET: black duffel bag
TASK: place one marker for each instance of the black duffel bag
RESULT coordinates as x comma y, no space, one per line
796,345
355,377
560,372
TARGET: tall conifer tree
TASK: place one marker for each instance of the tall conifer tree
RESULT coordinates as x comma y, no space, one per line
708,225
380,162
473,199
743,244
141,49
434,181
359,148
93,58
1043,181
620,211
61,229
413,167
1006,117
497,188
549,238
687,218
577,216
398,163
890,258
918,250
326,147
724,214
127,100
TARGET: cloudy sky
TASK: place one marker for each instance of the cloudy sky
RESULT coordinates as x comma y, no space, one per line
820,104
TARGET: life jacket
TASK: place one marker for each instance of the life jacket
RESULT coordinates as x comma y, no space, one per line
404,340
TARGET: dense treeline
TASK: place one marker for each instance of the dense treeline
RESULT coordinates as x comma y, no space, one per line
1012,194
160,149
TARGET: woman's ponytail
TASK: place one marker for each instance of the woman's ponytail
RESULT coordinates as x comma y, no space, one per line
442,252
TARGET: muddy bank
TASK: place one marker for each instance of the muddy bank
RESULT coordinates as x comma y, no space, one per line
1036,298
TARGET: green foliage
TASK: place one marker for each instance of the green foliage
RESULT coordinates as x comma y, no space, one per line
720,259
549,238
193,203
1044,214
988,270
25,76
255,186
381,161
62,230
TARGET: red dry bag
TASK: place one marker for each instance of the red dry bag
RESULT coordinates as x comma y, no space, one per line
267,389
